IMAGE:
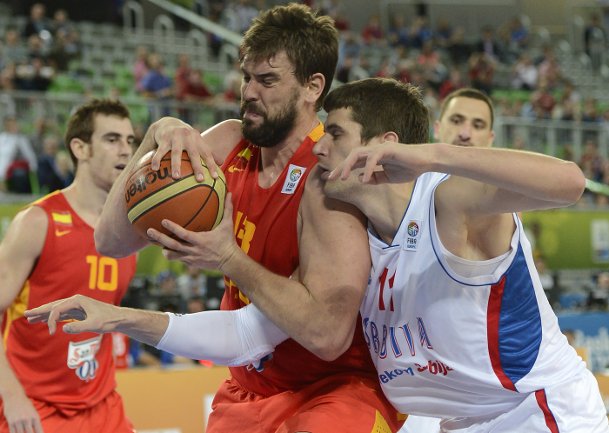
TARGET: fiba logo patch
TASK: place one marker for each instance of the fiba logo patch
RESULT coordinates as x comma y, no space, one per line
414,233
292,179
295,174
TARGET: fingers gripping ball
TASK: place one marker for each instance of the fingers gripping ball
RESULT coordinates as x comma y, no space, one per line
152,196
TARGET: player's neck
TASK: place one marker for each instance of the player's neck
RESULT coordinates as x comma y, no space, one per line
384,206
86,198
274,159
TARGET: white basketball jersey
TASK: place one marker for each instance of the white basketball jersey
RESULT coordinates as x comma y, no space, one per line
471,344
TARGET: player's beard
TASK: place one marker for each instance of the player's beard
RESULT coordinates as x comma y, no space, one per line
271,131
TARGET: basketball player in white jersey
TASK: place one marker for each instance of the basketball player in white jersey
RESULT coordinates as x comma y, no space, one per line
455,318
466,119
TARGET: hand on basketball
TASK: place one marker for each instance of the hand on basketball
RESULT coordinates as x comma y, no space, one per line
88,315
388,162
173,135
206,250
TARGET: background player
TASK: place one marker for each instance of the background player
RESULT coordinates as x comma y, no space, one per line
66,383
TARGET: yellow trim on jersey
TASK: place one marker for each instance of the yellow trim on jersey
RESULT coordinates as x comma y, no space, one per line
245,154
380,425
317,132
16,310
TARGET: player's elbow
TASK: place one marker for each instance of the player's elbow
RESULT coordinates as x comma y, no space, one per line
106,245
331,345
576,185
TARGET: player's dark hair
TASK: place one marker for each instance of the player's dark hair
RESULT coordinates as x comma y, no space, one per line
309,41
383,104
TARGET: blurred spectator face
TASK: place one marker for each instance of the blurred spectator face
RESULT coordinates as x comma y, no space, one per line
10,125
603,280
465,122
37,12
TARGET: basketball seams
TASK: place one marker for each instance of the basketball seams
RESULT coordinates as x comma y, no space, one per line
196,213
162,195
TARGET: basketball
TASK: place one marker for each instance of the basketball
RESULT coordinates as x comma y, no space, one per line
152,196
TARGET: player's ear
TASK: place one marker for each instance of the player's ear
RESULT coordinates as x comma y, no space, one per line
391,136
315,86
80,149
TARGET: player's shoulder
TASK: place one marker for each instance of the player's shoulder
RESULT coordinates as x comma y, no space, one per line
32,214
29,224
223,137
318,206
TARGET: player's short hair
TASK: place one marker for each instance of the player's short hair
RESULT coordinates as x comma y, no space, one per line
310,41
468,92
380,105
82,121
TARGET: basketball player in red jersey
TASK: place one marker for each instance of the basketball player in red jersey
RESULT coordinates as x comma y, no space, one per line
65,383
322,379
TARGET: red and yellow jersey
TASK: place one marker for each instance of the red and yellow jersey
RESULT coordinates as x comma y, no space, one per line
266,229
70,372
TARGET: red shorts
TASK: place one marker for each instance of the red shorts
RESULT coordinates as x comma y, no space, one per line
333,405
107,416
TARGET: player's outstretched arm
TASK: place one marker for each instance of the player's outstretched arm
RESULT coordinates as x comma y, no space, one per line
19,251
233,338
518,180
114,235
318,309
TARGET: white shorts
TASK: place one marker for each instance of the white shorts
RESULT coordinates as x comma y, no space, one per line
574,407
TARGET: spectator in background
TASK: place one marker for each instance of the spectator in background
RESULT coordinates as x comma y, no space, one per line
14,147
372,33
524,73
140,66
549,69
398,34
38,23
194,90
420,32
489,45
598,298
192,283
14,49
543,101
481,72
181,74
591,162
452,83
594,33
61,22
458,49
157,87
51,175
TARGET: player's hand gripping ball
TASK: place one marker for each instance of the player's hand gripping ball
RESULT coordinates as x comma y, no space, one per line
152,196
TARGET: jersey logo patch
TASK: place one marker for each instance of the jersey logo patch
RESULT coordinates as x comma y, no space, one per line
81,357
292,179
414,234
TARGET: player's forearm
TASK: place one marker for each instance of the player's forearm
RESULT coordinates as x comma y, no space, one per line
9,384
147,327
533,175
114,235
289,305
